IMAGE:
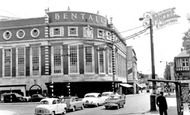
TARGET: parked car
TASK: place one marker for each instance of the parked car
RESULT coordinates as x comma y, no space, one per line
50,106
12,97
73,103
27,98
93,99
36,97
117,101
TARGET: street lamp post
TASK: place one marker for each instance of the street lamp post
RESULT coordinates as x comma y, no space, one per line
153,95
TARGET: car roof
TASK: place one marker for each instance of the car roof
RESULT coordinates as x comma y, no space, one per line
69,97
92,94
50,100
12,94
108,92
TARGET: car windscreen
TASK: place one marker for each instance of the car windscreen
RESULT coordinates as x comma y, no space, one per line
114,98
44,102
105,94
66,100
90,96
17,95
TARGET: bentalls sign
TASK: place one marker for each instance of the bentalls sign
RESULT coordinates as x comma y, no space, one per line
69,16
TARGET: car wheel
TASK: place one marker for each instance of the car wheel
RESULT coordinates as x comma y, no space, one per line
118,106
106,107
123,105
64,112
73,109
52,113
82,107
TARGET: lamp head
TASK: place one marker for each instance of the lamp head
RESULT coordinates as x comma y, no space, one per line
141,19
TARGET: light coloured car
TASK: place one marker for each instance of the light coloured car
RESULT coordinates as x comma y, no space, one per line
50,106
93,99
106,95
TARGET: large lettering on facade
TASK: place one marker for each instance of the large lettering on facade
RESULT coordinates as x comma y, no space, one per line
69,16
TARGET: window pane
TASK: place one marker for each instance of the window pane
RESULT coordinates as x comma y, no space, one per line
7,62
101,61
110,60
88,57
73,59
57,59
35,60
21,62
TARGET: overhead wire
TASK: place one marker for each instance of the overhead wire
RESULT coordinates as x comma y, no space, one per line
10,13
130,29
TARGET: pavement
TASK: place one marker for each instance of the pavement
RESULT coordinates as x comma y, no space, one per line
172,106
5,112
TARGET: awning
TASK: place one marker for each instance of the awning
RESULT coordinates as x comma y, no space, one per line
126,85
141,85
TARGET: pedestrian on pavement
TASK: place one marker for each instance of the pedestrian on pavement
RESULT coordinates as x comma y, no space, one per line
162,104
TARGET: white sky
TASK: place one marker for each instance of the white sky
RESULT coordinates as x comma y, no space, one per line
126,14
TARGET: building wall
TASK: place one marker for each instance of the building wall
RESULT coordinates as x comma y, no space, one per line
132,77
60,47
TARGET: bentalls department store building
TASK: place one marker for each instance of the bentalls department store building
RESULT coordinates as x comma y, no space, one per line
62,53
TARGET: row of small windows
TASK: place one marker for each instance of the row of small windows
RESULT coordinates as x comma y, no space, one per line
56,60
59,31
21,33
87,32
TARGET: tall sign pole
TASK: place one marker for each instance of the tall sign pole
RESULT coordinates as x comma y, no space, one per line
153,95
158,20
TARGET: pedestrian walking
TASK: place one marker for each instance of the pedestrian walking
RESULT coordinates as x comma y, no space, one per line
162,104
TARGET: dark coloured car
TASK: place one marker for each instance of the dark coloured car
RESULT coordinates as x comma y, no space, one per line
12,97
36,97
115,101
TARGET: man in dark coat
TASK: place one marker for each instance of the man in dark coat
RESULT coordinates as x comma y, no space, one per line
162,104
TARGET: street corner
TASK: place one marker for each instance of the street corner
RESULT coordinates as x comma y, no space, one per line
6,112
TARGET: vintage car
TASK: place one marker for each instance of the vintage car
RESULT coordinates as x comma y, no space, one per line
12,97
50,106
73,103
93,99
106,95
36,97
115,101
27,98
